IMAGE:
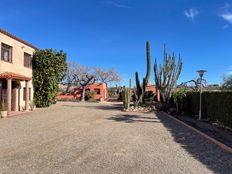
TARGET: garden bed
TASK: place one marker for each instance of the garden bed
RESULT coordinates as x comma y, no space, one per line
221,134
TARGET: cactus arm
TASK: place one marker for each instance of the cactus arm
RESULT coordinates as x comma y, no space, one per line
127,96
148,61
167,75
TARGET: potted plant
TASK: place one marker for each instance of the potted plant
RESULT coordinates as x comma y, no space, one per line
3,111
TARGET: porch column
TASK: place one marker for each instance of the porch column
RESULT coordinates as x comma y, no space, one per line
15,92
27,96
9,87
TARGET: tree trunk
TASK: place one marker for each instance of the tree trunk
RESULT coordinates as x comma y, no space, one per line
68,87
83,94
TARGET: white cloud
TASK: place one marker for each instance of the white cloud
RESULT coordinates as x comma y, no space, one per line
229,70
227,16
192,13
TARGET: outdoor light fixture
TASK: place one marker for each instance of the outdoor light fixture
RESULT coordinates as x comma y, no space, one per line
201,73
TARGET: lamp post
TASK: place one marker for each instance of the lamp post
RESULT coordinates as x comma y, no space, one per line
201,73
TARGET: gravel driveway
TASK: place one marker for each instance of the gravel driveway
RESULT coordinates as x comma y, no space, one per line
99,138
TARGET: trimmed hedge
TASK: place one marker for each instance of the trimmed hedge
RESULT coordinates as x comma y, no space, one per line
216,106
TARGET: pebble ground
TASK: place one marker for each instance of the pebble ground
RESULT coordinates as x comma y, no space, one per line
97,138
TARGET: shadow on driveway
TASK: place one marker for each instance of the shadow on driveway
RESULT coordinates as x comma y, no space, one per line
101,107
210,155
127,118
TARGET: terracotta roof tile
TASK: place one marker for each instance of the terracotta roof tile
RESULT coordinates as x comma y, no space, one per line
12,75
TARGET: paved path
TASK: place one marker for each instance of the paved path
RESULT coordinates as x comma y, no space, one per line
99,138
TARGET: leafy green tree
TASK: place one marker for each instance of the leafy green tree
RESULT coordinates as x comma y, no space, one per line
227,83
49,68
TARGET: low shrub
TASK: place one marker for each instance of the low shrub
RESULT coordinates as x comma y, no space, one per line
177,98
89,95
149,96
67,99
112,93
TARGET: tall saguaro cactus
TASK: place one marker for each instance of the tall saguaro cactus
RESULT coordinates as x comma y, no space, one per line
140,88
127,96
167,75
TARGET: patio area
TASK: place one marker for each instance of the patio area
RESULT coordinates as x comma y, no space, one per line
11,92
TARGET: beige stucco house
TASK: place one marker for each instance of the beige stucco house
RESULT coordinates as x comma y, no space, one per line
16,89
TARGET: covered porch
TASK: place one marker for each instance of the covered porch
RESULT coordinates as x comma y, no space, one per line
10,89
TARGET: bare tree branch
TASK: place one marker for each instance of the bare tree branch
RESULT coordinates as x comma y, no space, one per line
82,75
106,76
69,77
193,84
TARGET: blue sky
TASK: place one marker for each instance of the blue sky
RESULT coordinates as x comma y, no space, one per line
112,33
